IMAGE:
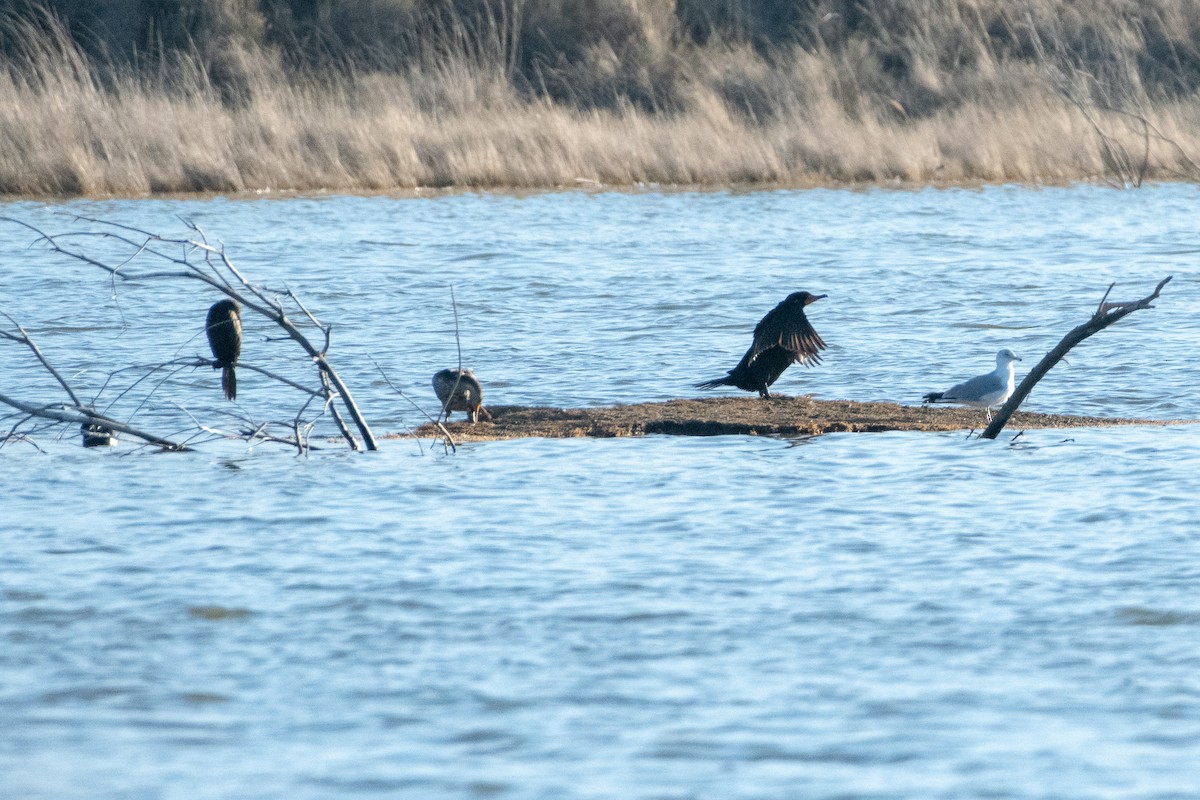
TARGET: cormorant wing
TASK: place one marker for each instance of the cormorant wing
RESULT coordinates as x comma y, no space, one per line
788,328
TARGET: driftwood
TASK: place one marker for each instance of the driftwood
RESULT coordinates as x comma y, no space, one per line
196,259
1106,314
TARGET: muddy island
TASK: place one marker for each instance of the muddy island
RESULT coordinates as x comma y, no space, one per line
774,416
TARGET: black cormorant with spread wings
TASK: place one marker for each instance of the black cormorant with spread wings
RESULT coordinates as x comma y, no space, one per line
783,336
224,329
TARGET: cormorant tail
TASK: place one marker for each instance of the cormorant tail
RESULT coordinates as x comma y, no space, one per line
229,382
726,381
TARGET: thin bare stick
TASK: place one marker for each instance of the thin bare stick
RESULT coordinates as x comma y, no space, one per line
457,338
1100,305
28,342
85,414
458,347
1159,136
200,425
21,437
275,376
145,401
436,421
300,444
12,432
344,392
328,329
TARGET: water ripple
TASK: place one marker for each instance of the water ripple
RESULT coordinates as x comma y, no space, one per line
886,616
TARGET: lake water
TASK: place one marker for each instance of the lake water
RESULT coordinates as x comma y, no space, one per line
847,616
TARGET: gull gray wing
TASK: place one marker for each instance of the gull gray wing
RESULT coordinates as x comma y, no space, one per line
976,389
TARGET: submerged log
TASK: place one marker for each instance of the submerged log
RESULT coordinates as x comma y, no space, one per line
774,416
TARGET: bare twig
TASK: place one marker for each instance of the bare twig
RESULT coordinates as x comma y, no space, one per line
24,339
435,420
1084,90
458,346
20,437
1107,292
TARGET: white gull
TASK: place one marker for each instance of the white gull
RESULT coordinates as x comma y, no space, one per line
983,391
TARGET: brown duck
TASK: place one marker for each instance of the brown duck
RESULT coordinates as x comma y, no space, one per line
459,390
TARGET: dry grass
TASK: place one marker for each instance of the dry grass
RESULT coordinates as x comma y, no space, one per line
719,114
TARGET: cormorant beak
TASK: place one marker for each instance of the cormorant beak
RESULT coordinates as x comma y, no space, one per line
812,298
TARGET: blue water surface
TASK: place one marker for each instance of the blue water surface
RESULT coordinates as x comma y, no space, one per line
900,615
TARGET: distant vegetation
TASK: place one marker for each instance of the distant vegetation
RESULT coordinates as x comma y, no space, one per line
137,96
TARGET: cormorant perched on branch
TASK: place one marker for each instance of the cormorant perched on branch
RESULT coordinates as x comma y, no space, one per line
224,329
784,335
459,390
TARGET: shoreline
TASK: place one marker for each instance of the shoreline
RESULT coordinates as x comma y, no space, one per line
747,416
428,192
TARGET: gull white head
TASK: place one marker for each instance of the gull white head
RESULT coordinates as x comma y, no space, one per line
1006,357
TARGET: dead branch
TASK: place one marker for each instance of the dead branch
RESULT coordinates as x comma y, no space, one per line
330,394
1152,132
77,415
1105,314
22,337
76,412
199,260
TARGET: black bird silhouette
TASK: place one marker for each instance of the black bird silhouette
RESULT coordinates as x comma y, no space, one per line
224,329
783,336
